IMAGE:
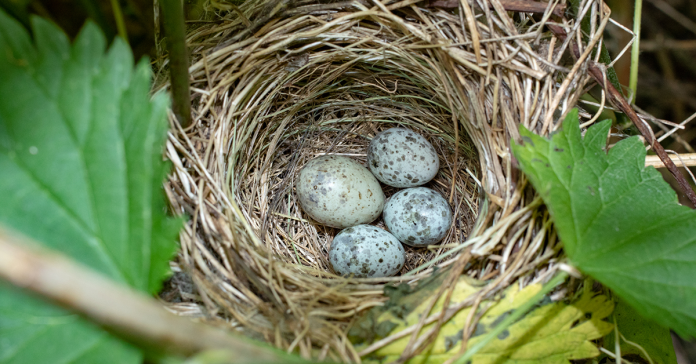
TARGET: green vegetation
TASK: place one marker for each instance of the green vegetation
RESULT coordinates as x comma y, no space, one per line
619,221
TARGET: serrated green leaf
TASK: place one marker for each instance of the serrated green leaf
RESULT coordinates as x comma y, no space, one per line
619,221
80,171
654,340
553,333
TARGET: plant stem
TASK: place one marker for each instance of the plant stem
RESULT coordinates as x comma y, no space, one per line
174,30
120,23
510,319
635,50
616,98
120,310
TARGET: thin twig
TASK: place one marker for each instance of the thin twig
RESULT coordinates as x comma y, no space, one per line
615,97
673,13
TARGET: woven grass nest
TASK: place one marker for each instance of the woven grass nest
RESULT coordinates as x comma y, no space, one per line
275,84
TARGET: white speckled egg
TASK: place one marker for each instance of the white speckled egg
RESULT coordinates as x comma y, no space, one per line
402,158
418,216
339,192
366,252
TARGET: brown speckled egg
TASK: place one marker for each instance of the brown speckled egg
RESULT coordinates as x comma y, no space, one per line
418,216
339,192
366,252
402,158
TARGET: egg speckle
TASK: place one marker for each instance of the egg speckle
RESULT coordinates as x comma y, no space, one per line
339,192
366,252
418,216
402,158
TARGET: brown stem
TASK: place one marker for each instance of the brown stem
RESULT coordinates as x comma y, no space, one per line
120,310
523,6
615,97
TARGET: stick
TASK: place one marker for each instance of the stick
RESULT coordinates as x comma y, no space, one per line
620,102
128,314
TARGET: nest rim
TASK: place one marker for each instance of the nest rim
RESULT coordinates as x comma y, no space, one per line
220,240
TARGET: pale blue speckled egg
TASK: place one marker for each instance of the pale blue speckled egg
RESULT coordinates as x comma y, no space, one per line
339,192
402,158
366,252
418,216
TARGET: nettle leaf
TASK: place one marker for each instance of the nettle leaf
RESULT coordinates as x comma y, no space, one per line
80,169
619,221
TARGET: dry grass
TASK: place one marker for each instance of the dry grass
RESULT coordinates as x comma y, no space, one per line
285,82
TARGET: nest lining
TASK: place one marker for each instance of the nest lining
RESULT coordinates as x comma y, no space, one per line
290,235
281,84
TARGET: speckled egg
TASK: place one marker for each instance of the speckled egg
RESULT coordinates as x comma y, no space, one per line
418,216
366,252
339,192
402,158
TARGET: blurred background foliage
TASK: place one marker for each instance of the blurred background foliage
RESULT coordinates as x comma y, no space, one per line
70,15
667,72
666,78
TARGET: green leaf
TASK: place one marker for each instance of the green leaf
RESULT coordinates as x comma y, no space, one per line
620,222
80,169
655,340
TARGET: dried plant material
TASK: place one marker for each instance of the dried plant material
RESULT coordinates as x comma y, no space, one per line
309,78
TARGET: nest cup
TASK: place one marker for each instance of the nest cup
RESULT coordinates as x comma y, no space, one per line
275,84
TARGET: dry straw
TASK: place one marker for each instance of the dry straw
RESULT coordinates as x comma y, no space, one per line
276,83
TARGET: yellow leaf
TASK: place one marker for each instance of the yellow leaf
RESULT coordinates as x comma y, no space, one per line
553,333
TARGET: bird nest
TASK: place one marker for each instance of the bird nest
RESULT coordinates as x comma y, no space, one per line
276,83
